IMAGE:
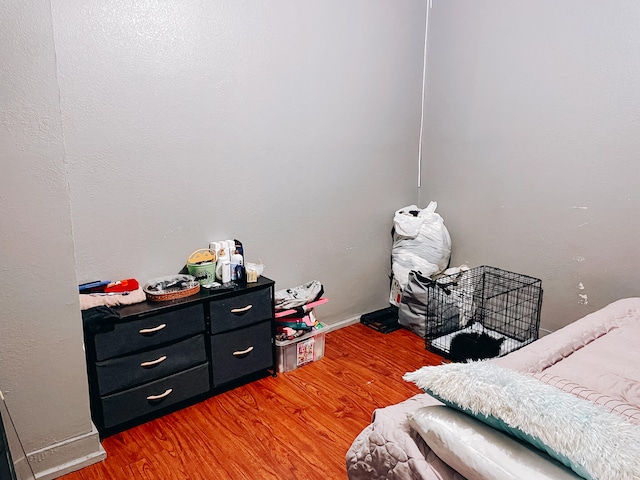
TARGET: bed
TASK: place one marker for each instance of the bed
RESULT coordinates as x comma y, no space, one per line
564,407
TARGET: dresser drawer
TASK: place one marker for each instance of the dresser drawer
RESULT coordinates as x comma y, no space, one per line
148,332
241,352
125,372
145,399
241,310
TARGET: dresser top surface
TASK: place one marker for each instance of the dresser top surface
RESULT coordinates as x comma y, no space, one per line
205,295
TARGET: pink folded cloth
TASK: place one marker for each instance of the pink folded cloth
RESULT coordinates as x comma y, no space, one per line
88,301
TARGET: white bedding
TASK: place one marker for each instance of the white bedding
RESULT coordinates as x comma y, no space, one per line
481,452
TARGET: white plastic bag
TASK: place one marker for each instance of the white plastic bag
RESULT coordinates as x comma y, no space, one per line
421,242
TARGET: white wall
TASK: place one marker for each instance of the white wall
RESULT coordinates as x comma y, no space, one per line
42,372
292,126
531,143
136,132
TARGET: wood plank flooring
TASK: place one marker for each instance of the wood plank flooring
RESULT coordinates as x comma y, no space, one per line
296,426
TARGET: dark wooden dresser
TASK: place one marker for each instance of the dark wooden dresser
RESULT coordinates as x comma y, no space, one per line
151,358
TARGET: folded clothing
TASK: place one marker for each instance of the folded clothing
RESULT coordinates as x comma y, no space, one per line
289,298
112,300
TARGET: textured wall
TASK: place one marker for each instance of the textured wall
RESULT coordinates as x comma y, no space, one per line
292,126
133,133
531,143
42,369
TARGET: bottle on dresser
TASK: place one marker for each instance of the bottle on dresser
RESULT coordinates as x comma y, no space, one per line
230,260
223,268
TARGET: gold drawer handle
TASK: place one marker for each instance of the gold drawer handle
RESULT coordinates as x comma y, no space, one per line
242,310
161,396
146,331
243,352
154,362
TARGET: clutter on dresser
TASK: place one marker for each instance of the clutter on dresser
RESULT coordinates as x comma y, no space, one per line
253,271
110,293
108,287
202,265
171,287
222,266
230,261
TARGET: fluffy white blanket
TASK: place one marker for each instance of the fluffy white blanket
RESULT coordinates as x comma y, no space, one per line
586,437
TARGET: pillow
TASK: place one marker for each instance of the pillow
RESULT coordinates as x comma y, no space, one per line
593,442
478,451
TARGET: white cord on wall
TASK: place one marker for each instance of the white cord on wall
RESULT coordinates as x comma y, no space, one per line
424,83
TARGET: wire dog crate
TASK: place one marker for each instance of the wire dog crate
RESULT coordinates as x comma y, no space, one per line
481,313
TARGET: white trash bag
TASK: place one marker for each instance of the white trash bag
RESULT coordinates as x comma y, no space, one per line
421,242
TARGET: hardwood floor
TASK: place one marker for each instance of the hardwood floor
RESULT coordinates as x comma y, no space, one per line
297,425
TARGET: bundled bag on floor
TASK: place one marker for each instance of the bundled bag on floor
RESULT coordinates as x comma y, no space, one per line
421,243
422,304
437,306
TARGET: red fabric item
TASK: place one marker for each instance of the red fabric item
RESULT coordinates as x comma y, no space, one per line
128,285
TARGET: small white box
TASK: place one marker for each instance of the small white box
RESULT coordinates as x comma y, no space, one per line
300,351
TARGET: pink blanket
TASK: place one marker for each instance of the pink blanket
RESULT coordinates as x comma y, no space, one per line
88,301
596,358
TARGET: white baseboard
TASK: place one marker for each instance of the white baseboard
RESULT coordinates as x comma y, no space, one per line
67,456
341,323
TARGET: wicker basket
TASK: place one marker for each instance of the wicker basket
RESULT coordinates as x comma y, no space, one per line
186,285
